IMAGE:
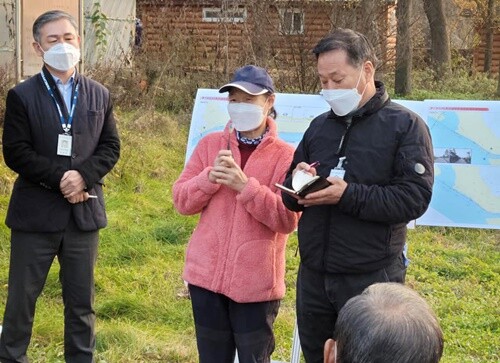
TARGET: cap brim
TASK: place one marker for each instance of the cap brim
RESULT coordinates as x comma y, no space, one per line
246,87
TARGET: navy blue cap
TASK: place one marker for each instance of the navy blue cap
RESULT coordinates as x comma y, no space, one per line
250,79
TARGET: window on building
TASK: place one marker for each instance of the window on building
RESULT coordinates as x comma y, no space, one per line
292,21
220,15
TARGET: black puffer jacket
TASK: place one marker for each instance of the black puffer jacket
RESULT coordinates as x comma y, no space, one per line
385,147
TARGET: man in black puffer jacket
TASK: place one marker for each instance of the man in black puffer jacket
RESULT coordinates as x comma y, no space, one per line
378,158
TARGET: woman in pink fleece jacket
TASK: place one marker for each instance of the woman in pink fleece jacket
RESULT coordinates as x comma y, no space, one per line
235,260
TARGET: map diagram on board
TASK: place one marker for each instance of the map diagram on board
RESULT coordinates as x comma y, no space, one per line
466,139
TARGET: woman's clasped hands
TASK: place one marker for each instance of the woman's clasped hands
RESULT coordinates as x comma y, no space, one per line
227,172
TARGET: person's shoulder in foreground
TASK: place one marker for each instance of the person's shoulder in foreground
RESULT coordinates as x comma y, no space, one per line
388,322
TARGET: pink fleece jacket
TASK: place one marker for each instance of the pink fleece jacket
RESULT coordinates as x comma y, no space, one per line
238,247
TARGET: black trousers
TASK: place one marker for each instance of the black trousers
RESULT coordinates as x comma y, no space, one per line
224,326
31,256
320,296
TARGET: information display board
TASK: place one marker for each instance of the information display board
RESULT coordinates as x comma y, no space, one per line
465,135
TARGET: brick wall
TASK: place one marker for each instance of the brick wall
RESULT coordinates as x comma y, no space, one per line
176,29
479,57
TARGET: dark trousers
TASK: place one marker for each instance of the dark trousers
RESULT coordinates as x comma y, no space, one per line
320,296
224,326
31,256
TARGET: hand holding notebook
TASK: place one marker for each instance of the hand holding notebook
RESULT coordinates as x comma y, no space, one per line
304,183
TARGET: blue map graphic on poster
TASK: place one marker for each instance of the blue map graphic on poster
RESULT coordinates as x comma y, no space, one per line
466,139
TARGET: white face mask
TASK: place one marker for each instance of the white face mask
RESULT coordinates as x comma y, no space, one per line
245,116
343,101
62,56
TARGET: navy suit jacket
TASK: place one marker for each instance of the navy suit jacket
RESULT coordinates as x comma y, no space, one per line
30,136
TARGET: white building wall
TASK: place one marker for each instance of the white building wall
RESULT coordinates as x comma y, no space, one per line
7,33
120,30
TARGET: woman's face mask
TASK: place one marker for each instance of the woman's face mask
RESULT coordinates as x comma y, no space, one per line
343,101
62,56
245,116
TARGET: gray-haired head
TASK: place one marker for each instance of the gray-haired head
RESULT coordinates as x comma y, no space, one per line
48,17
355,44
388,322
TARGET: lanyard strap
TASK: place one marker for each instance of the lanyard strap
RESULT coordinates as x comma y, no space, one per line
343,140
65,125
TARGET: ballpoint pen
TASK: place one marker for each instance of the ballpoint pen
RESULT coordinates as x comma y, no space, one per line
312,165
230,131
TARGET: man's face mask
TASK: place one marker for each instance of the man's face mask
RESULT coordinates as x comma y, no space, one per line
62,56
343,101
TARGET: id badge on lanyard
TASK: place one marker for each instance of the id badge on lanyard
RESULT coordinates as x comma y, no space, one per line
64,144
339,170
65,140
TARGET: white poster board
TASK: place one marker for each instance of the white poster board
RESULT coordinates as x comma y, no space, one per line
466,139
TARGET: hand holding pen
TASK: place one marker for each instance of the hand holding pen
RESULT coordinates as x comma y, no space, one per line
224,157
80,197
314,164
307,168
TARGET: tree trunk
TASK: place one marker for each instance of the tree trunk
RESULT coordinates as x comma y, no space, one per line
498,86
404,54
488,52
440,39
370,13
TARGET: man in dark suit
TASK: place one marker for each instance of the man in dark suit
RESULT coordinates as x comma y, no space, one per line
60,137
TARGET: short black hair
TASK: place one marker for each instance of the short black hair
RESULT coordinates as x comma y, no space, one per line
355,44
48,17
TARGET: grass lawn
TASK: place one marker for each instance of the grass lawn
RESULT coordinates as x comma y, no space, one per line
141,313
